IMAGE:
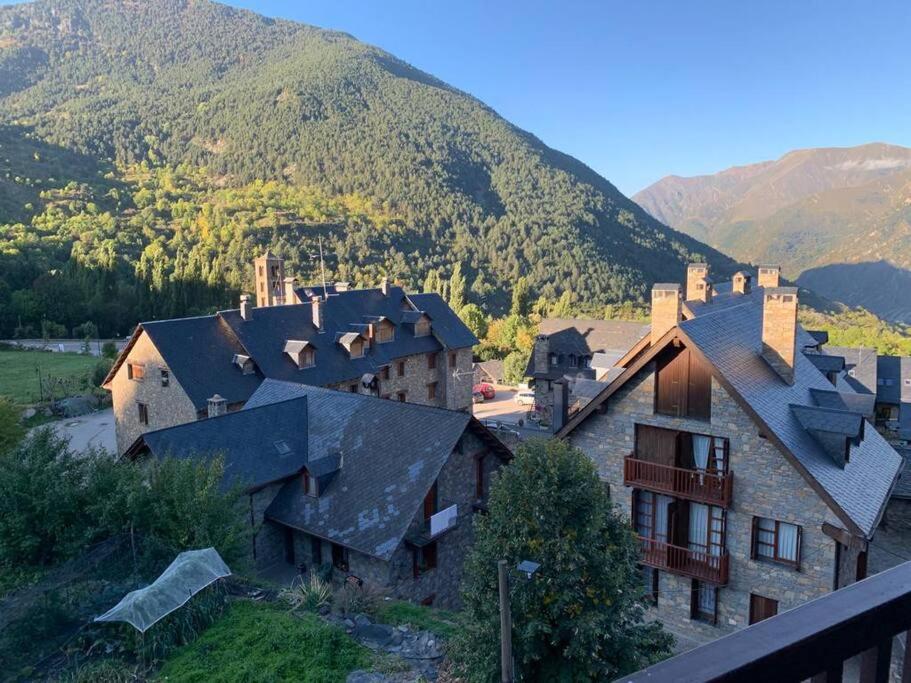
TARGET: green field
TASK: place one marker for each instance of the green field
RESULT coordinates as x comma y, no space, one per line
19,374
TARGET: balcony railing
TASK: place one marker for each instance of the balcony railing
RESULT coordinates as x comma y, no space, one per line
679,560
813,641
703,487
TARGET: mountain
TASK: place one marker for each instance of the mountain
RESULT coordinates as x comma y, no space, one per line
837,219
178,111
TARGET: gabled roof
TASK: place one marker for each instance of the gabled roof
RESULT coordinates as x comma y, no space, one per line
390,454
258,446
729,339
860,367
865,404
577,337
827,363
891,373
445,324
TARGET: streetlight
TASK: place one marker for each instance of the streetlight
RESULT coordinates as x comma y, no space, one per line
528,568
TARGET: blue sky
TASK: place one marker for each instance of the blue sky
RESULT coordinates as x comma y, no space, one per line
641,89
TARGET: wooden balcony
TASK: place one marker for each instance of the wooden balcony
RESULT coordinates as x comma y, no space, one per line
810,642
683,561
702,487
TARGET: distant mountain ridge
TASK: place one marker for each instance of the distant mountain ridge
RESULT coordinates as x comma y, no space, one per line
812,210
250,99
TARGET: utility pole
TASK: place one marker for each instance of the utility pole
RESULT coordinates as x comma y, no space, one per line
322,268
506,674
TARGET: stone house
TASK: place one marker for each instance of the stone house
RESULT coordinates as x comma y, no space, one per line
382,342
382,491
752,477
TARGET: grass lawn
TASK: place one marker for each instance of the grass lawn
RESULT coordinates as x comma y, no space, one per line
397,613
19,380
262,642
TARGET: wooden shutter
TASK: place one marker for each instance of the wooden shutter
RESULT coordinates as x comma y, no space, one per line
699,389
685,451
430,502
762,608
797,554
680,523
753,536
671,383
654,444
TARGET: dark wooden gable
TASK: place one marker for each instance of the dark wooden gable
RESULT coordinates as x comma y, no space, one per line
683,387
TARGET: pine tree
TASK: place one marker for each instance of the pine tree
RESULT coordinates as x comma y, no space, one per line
457,288
520,297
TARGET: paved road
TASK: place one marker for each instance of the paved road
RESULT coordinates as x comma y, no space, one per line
95,429
504,409
64,345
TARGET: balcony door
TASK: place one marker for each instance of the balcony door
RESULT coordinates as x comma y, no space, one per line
652,512
705,537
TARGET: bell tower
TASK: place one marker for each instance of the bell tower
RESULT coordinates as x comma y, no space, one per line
269,279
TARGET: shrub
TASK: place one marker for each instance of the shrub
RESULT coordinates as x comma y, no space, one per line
11,430
109,350
310,595
100,371
352,598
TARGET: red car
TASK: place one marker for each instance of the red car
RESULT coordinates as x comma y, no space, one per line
486,390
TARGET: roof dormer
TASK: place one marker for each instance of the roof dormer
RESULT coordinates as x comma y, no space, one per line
301,353
244,363
834,430
355,344
418,321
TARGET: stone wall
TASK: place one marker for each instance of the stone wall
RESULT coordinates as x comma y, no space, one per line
167,406
765,484
268,538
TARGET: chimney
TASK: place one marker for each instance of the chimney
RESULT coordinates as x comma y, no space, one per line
246,306
779,330
769,276
694,273
666,309
342,286
704,290
741,282
217,406
317,305
384,286
542,353
290,284
561,405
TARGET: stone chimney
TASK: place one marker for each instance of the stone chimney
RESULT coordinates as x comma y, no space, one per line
741,282
694,273
542,353
666,309
317,305
290,284
704,290
217,406
779,330
384,286
769,276
561,405
246,306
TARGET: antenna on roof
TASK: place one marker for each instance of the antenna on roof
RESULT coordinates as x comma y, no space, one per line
322,267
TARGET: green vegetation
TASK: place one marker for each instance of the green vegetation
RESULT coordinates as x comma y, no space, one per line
262,642
581,616
61,374
856,327
398,613
11,431
271,133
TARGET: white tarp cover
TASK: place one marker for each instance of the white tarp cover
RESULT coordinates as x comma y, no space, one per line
189,573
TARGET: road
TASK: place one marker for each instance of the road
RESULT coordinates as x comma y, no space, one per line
504,409
64,345
94,429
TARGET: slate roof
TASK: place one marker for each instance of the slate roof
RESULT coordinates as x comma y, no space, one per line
259,446
903,487
199,351
570,336
860,367
731,340
491,369
862,403
891,373
391,453
832,420
827,363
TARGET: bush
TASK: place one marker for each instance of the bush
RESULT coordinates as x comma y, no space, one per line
358,599
310,595
109,350
11,430
100,371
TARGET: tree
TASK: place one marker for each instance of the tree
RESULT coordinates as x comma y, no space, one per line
432,281
109,350
474,318
581,616
514,367
11,430
457,288
563,307
520,298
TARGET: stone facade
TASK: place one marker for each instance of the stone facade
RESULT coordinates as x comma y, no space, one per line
456,485
166,406
765,484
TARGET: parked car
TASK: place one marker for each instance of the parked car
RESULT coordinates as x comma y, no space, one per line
486,390
477,397
525,398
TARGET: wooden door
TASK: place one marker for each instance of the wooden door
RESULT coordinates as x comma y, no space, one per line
671,389
657,445
861,573
762,608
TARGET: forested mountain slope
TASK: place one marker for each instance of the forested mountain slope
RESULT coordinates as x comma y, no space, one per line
149,149
837,219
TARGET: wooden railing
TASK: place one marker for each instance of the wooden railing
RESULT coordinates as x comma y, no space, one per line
679,560
703,487
813,641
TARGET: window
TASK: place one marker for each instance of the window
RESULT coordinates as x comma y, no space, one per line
165,378
572,360
309,484
401,396
135,371
430,502
479,477
143,413
650,513
453,359
553,359
705,533
353,388
683,386
356,350
762,608
704,602
401,368
384,373
282,447
422,328
340,557
424,559
776,541
307,359
260,271
432,391
851,372
385,332
649,584
431,361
